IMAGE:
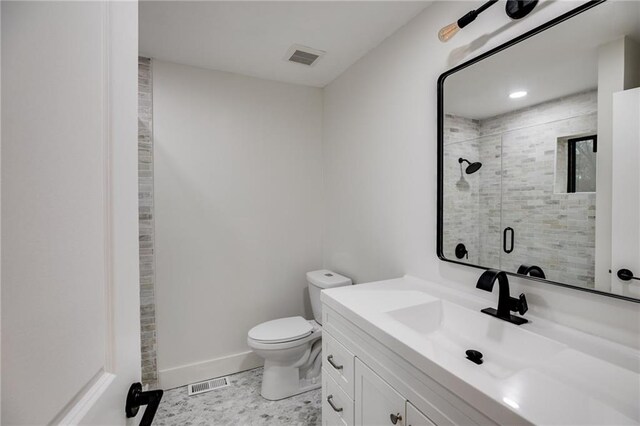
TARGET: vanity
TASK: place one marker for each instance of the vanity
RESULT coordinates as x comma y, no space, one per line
394,352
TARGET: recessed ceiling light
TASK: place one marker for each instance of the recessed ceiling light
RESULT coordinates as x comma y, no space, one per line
516,95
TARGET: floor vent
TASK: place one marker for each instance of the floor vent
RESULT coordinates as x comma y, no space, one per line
208,385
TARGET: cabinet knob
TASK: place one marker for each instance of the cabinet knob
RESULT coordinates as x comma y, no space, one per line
395,418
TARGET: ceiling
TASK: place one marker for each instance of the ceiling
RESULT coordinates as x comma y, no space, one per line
253,37
558,62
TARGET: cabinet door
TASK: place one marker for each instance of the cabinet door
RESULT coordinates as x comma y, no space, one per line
416,418
377,403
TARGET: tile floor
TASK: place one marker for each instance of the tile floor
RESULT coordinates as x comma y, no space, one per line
239,404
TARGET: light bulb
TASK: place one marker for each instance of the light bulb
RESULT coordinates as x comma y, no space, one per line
449,31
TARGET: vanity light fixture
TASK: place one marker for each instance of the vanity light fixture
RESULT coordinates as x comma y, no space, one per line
515,9
452,29
518,94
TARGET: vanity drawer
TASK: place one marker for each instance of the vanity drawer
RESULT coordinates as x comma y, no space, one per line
338,362
341,413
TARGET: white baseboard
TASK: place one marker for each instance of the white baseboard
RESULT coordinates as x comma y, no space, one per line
199,371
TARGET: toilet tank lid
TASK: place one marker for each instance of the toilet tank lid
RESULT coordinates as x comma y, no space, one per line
325,278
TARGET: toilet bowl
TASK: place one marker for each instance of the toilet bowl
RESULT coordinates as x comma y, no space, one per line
291,347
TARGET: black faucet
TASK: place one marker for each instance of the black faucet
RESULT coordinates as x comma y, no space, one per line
506,303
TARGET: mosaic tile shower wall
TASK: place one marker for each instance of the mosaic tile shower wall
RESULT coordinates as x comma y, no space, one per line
462,196
146,223
518,186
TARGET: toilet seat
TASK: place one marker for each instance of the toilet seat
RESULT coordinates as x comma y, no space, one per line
281,330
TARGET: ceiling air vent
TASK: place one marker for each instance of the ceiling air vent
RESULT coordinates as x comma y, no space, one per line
303,55
206,386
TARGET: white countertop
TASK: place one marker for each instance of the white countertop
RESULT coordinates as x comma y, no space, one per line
588,381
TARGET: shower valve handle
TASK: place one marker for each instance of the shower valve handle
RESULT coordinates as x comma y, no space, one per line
626,275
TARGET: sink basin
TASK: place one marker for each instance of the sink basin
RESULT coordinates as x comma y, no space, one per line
447,331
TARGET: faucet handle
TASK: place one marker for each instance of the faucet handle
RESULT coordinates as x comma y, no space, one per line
520,304
523,307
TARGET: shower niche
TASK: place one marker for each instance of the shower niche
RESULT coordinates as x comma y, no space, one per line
528,149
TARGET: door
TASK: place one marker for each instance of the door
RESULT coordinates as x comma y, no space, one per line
625,192
376,402
542,223
70,296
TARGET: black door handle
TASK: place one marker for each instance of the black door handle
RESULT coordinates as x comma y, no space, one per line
136,398
504,239
626,275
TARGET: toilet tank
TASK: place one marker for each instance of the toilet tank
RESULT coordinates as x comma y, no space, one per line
318,281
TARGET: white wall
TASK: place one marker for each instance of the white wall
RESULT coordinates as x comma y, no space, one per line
238,187
379,152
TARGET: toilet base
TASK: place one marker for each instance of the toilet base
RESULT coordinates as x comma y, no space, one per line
297,391
280,382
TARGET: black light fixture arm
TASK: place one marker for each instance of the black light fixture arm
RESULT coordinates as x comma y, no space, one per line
515,9
471,16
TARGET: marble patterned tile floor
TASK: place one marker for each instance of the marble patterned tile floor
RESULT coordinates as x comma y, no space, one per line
239,404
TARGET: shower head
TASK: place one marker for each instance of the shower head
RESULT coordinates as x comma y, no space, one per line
472,167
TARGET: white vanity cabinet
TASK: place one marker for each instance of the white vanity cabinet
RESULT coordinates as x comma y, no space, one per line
377,403
394,353
366,384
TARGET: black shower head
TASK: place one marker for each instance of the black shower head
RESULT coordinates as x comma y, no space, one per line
472,167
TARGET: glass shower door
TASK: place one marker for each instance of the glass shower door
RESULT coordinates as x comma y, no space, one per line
541,223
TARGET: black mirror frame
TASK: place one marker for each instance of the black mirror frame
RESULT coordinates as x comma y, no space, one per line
439,240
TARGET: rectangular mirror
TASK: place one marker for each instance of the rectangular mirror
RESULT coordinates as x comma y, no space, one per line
539,153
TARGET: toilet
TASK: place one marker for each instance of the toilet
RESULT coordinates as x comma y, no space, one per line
291,346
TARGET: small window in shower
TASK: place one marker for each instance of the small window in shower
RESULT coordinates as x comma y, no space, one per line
581,164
